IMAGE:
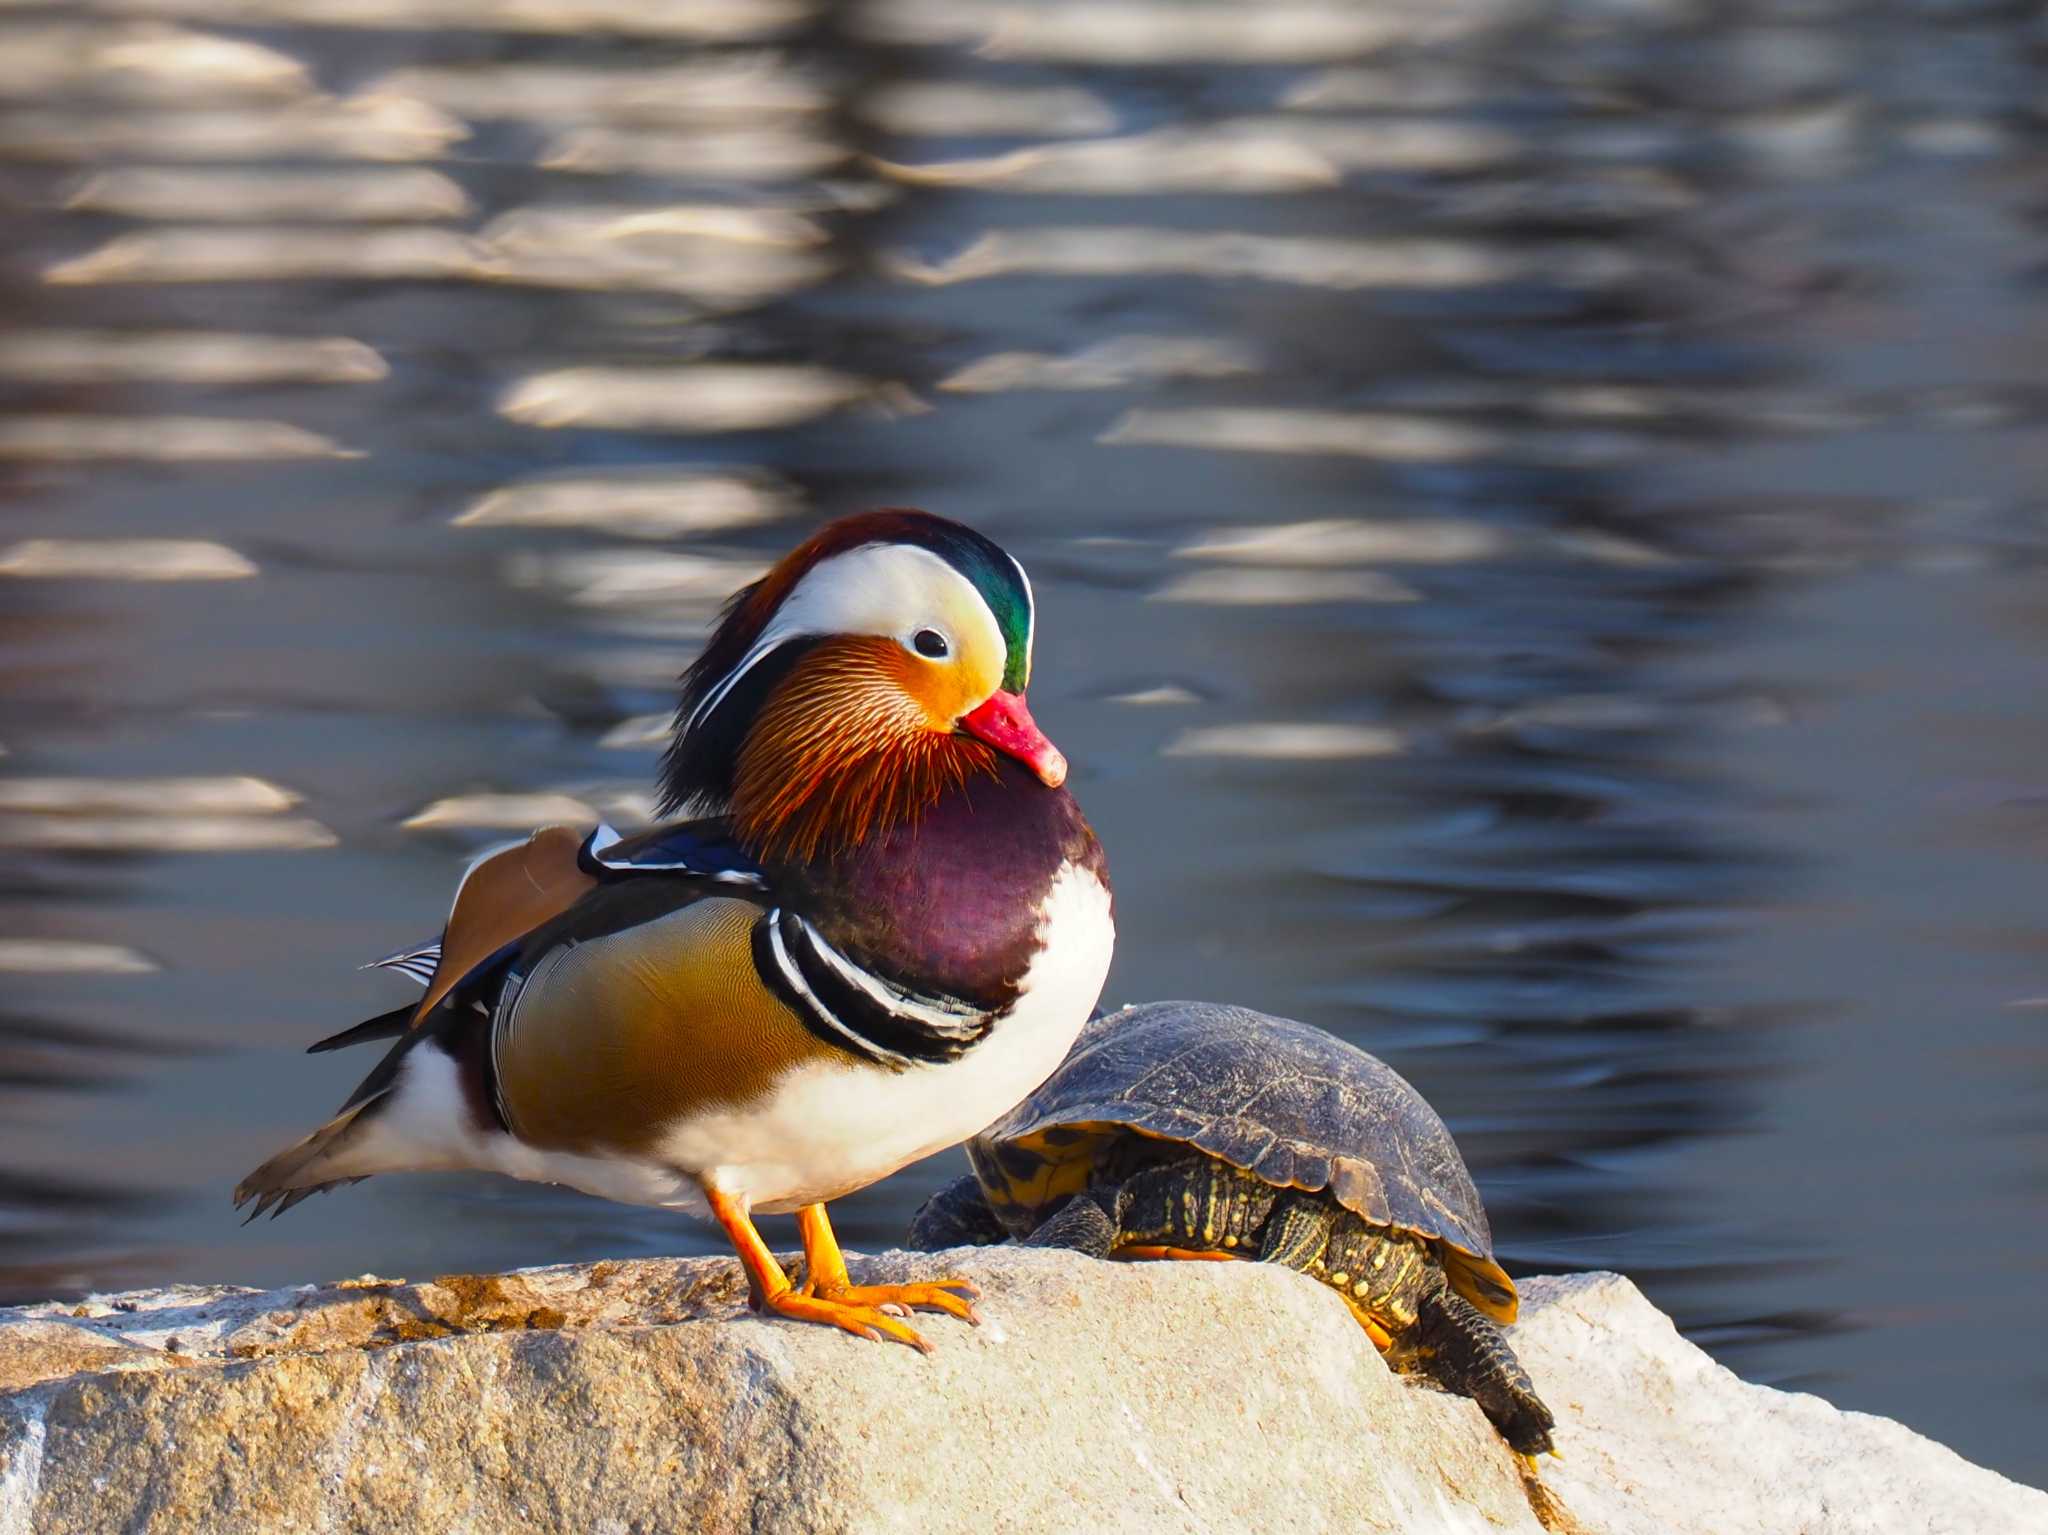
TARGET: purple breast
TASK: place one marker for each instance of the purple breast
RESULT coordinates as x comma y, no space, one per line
952,903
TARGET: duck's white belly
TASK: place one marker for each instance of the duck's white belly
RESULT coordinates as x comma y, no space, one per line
831,1127
427,1127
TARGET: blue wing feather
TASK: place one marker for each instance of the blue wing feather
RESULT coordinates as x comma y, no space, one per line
703,848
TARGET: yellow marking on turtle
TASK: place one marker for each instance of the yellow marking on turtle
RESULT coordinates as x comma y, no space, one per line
1060,1172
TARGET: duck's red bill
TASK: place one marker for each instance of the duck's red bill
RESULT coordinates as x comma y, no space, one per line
1006,725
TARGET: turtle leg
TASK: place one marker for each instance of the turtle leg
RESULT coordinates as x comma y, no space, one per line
1087,1223
1309,1235
1296,1233
826,1279
1162,1211
957,1216
1457,1346
1194,1207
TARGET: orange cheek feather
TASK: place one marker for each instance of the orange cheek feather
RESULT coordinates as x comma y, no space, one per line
850,744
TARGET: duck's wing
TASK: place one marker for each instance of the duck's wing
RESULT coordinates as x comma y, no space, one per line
510,892
416,962
655,1000
502,898
703,848
566,886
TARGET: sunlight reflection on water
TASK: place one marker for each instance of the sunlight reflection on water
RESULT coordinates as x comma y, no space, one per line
1537,520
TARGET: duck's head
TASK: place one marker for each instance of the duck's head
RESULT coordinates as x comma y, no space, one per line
881,661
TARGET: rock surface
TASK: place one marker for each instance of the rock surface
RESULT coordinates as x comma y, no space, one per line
640,1396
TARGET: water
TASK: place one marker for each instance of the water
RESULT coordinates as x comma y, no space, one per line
1535,510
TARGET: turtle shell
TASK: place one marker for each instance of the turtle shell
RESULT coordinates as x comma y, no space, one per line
1282,1100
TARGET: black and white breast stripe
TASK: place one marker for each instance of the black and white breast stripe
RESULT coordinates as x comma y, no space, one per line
855,1009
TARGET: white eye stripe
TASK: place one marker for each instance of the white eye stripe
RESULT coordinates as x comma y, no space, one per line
891,590
732,678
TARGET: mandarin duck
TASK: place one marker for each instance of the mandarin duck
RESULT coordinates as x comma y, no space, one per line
878,921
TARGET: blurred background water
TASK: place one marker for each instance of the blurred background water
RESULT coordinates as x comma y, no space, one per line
1537,507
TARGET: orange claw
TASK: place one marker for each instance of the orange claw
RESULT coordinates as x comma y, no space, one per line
1381,1338
862,1321
1141,1250
938,1295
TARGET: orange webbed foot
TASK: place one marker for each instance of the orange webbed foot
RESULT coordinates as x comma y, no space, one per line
954,1297
862,1319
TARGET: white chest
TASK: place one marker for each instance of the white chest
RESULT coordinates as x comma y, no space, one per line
831,1127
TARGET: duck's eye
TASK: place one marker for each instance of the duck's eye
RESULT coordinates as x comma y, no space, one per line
929,642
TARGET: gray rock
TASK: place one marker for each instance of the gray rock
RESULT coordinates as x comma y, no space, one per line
641,1396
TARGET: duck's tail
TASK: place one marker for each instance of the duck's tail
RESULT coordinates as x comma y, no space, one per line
384,1026
322,1161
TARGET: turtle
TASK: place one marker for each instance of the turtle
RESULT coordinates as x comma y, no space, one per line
1198,1130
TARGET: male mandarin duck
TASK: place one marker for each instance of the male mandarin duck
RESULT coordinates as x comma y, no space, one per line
883,924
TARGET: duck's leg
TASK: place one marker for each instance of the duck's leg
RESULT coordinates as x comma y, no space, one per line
826,1279
772,1290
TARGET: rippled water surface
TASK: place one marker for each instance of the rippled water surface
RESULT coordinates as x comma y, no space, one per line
1538,512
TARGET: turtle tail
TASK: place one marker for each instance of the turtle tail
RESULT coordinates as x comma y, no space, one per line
1456,1346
